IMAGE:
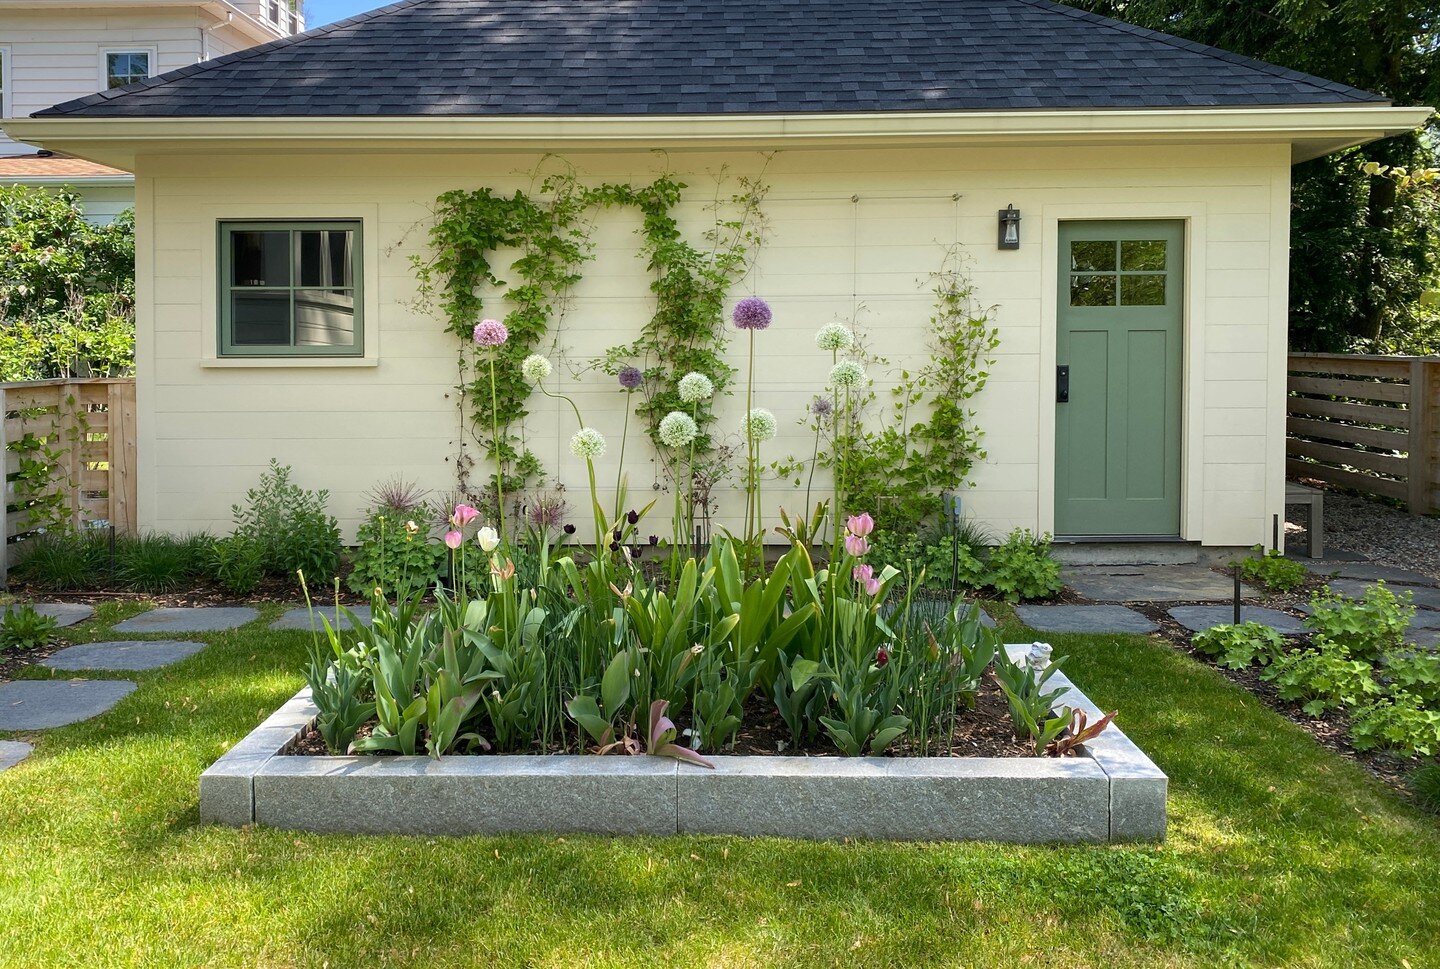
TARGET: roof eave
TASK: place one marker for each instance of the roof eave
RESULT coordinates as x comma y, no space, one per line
1310,130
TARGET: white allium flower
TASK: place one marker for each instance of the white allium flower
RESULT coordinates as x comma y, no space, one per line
587,443
760,425
677,429
536,368
834,336
696,387
847,374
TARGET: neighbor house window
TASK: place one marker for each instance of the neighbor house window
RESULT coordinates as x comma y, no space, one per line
290,289
124,67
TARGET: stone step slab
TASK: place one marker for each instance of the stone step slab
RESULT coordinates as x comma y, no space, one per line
13,752
1084,619
1422,596
37,704
302,618
1366,572
189,619
64,613
1152,583
1200,618
122,655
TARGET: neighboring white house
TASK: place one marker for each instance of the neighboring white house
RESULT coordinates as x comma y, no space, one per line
58,50
1151,176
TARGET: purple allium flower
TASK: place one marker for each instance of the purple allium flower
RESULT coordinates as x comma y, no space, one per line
751,313
491,333
631,378
822,406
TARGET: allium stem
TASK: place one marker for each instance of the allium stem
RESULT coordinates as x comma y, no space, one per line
495,443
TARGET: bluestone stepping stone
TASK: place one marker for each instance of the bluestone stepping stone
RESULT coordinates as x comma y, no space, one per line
1200,618
301,618
1365,572
1084,619
64,613
123,655
36,704
13,752
189,619
1423,597
1152,583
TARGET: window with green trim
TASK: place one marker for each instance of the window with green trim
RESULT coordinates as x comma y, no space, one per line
290,289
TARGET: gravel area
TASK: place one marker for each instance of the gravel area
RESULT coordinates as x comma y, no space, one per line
1381,533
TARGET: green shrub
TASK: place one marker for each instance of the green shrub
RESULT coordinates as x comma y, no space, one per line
291,527
1396,723
1273,570
1425,782
22,627
1023,567
1416,673
65,561
237,563
394,551
1324,677
160,563
1368,626
1236,647
935,562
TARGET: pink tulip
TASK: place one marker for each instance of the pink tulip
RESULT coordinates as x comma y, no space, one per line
872,586
453,539
463,516
861,525
863,573
856,545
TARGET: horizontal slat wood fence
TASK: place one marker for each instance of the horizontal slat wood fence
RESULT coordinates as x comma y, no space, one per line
69,451
1370,423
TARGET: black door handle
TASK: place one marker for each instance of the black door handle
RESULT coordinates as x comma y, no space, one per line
1062,384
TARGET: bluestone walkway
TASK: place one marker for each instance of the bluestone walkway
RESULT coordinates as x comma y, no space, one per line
189,619
122,655
64,613
1084,619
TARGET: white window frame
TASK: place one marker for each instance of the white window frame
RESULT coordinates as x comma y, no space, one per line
152,53
7,97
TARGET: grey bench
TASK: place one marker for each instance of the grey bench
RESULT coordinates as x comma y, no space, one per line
1314,498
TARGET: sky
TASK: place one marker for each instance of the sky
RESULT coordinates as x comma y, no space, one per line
318,13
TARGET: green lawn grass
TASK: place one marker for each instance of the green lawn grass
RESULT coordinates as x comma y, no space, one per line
1279,853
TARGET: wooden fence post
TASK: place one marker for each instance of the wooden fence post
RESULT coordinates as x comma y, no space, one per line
1424,471
4,492
121,455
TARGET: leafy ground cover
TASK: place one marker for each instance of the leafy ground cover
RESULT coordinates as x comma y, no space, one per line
1280,853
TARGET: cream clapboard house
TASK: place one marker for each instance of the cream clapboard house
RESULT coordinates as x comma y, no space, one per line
58,50
1139,383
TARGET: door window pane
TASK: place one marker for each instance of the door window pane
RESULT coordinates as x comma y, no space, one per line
1142,289
1143,255
1092,256
1092,290
261,258
260,318
324,318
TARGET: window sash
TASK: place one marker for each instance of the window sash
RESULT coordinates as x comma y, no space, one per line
227,290
121,67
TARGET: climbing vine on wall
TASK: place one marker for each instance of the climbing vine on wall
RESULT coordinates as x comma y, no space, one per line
551,230
550,225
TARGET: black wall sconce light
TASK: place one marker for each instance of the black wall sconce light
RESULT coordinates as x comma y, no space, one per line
1009,228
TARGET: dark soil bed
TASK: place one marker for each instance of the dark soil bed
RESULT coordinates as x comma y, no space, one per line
982,732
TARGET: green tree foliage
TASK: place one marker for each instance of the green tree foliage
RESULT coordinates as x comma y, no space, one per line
67,288
1363,258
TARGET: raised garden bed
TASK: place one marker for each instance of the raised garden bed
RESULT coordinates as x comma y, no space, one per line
1111,792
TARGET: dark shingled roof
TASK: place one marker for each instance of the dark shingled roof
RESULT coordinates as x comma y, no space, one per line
639,57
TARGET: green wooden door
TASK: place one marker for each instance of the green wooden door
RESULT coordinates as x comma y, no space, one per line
1117,438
